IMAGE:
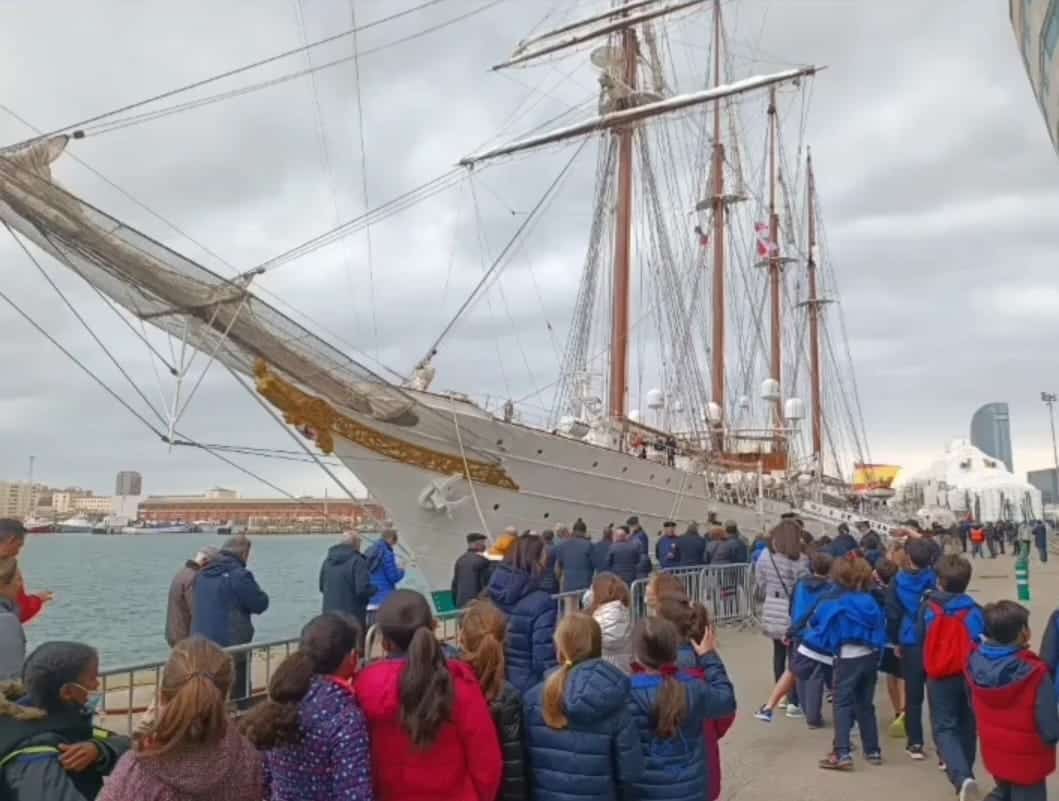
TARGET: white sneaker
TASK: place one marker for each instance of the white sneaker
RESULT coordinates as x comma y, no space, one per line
794,711
969,791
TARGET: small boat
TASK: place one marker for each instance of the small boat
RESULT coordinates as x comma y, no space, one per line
177,528
35,525
80,525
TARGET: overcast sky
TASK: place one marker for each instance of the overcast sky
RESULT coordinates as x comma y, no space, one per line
938,180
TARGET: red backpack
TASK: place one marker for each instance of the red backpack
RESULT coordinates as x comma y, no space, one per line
948,646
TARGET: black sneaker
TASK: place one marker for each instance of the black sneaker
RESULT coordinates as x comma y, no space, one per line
874,758
916,752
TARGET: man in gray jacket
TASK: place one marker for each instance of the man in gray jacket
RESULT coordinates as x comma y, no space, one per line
181,599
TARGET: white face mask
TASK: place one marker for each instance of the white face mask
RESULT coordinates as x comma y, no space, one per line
93,698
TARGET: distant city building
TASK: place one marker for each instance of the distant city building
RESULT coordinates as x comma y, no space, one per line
93,505
1036,25
991,432
1045,481
17,499
129,482
260,512
221,492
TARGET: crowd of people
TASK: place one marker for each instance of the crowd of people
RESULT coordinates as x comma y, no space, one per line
840,612
596,704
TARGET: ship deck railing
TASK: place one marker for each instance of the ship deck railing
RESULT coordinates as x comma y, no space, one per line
131,692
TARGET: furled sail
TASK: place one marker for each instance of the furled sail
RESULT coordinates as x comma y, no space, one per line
216,315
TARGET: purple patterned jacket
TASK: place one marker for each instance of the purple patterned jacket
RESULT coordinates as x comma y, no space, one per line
333,760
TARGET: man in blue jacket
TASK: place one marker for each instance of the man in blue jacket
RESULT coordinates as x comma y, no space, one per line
226,596
625,558
386,574
573,558
904,598
639,536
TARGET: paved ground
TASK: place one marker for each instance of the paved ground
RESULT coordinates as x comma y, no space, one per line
777,761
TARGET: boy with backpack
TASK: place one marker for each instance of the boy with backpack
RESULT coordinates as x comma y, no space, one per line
1015,704
953,624
904,597
811,669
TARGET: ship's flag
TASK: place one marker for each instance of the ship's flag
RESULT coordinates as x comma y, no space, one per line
765,246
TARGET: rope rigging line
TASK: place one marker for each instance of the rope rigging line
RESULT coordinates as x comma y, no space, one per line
150,116
502,257
227,74
364,177
84,323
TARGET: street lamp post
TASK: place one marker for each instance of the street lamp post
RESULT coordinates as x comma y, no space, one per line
1049,399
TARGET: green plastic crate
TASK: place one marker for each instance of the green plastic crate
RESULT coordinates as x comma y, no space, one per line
444,603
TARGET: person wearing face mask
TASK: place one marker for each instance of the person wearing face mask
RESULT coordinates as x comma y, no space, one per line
49,749
311,728
191,751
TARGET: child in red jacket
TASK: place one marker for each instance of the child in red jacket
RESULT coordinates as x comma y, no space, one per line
432,734
1015,705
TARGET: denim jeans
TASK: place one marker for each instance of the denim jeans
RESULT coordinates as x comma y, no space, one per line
915,682
855,700
954,727
1017,792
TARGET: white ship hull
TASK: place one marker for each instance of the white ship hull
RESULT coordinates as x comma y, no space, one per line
559,479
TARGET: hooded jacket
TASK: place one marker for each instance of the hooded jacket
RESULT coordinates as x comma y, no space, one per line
675,769
904,598
29,741
333,760
1015,706
531,615
12,641
180,604
507,715
597,757
226,595
574,557
345,581
852,618
614,623
227,771
463,763
809,592
776,576
385,574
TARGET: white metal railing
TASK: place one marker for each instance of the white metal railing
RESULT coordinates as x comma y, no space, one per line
130,691
727,592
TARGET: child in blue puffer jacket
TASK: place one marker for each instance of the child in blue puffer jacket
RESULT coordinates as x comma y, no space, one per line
811,670
904,598
851,627
670,708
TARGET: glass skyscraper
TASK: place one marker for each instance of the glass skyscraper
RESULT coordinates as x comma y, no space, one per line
1036,25
991,432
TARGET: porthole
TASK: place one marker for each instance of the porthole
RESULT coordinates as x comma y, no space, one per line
496,507
625,470
547,515
595,464
652,478
499,442
540,452
668,480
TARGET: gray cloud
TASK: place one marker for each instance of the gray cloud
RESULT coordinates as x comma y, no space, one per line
937,178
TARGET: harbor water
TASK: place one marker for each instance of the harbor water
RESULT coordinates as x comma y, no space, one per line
111,591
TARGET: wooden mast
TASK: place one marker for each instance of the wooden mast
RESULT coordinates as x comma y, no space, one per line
775,262
719,208
814,325
619,338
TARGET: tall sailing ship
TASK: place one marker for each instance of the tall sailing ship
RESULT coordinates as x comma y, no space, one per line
693,377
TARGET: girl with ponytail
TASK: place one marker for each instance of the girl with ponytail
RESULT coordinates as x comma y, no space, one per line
312,730
191,751
432,736
482,634
581,741
671,707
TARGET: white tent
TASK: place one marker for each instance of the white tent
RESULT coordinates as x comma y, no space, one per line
966,480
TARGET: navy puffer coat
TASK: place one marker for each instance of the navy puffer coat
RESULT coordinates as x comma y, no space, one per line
531,625
597,757
675,768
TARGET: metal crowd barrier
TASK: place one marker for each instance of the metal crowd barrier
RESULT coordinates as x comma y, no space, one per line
130,691
727,592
